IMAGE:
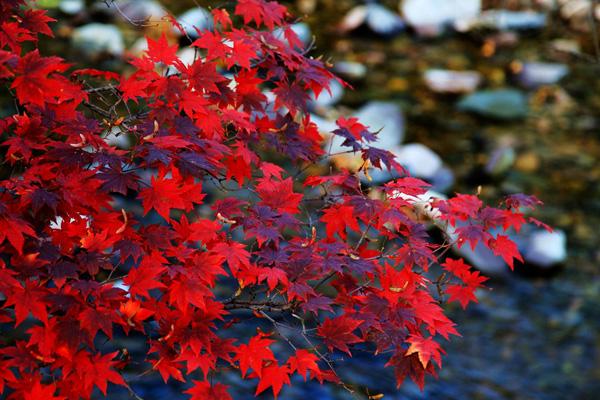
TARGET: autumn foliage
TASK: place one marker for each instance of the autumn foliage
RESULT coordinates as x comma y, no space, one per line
217,209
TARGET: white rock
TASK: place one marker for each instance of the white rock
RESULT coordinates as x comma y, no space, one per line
430,16
329,97
375,16
94,39
301,29
71,7
546,248
350,69
196,18
420,161
442,180
446,81
534,74
139,11
503,20
187,55
385,117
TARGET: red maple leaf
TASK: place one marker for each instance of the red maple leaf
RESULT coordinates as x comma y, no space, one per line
273,376
337,332
203,390
503,246
303,361
269,13
160,51
339,217
253,354
426,348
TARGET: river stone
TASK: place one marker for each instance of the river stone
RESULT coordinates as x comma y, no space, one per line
385,117
419,160
328,98
429,17
95,38
503,20
71,7
502,104
301,29
534,74
376,17
350,69
546,249
446,81
197,18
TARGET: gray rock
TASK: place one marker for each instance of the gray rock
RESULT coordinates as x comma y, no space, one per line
197,18
503,20
534,74
301,29
501,160
500,104
94,39
350,69
429,17
446,81
385,117
419,160
71,7
546,249
329,97
442,180
376,17
139,11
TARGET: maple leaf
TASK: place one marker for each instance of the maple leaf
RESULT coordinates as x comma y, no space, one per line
279,195
166,194
504,247
39,392
269,13
28,299
253,354
273,376
461,293
337,333
337,218
426,348
457,267
203,390
32,79
36,21
14,230
144,278
160,51
235,254
303,361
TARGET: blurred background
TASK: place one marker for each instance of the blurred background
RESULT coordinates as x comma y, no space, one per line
500,94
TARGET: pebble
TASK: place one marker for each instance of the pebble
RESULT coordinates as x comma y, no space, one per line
196,18
503,20
385,117
94,39
71,7
301,29
429,17
328,98
502,104
419,160
376,17
139,11
446,81
534,74
350,69
501,160
546,249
